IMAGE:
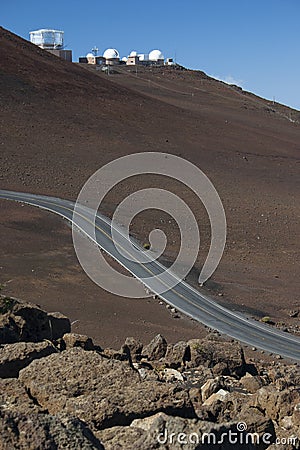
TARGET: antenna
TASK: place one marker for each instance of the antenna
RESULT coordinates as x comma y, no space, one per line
95,51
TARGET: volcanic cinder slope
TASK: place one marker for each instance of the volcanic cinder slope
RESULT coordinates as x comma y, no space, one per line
60,122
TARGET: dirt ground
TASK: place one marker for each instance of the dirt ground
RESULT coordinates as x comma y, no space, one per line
60,122
38,264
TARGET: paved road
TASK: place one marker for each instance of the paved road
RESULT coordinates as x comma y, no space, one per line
183,297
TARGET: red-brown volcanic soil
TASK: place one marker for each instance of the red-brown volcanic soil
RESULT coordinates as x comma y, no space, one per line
60,122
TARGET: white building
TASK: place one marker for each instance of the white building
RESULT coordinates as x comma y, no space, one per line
52,41
47,39
156,56
111,56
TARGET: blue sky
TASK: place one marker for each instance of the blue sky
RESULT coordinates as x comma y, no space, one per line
255,43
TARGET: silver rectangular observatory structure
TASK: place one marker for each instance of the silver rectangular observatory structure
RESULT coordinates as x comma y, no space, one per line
47,39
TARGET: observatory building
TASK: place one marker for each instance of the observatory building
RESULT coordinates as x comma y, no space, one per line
92,58
111,56
132,59
47,39
52,41
154,58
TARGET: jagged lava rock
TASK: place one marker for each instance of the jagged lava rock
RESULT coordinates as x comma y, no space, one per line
161,431
133,347
14,397
14,357
177,355
224,358
102,392
71,340
24,321
156,349
44,431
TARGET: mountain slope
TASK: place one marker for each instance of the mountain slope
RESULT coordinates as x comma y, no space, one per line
61,122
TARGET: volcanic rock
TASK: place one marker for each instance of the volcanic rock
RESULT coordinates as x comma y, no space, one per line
24,321
156,349
211,352
71,340
40,431
102,392
14,357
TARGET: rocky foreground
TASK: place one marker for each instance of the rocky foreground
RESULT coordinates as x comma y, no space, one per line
59,390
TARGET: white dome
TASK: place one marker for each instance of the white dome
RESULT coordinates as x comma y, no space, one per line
90,55
124,59
155,55
111,53
133,53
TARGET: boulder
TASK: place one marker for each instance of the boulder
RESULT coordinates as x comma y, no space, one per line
287,422
134,347
257,422
111,353
177,355
222,406
196,377
14,397
71,340
224,358
156,349
14,357
220,395
147,374
162,431
33,323
146,371
123,437
59,325
172,375
274,403
102,392
252,383
24,321
44,431
196,399
210,387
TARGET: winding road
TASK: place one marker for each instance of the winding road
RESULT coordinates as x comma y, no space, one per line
182,296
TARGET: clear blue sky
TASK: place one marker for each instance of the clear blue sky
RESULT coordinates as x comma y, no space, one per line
255,43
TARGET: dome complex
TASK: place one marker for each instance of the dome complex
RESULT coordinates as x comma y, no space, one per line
111,57
111,53
156,55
